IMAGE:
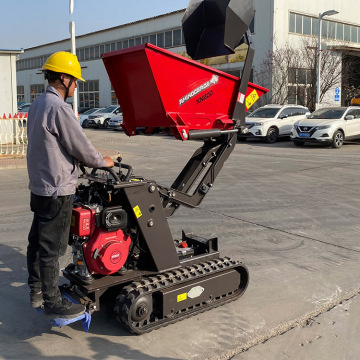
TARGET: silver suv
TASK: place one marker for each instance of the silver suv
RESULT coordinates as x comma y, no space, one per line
272,121
102,118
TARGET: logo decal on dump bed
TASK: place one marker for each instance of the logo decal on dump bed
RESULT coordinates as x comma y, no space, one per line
213,81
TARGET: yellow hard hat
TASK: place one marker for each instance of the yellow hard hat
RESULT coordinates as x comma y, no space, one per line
65,63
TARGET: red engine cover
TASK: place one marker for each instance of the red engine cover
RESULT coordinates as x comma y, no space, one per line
106,251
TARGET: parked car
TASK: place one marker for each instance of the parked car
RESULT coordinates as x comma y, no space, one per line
23,105
101,119
83,118
272,121
82,110
24,109
116,122
331,126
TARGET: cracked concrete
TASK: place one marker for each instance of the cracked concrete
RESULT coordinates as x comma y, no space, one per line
291,330
330,333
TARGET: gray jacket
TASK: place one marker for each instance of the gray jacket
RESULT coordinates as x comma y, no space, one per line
56,143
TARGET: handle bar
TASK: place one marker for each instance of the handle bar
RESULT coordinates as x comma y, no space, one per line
111,171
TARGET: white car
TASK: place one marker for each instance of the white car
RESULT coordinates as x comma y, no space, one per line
101,119
24,109
331,126
272,121
83,118
116,122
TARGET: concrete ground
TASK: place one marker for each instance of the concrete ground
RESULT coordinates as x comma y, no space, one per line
291,214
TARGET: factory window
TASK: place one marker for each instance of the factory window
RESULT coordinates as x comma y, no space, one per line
114,100
306,25
298,23
89,93
164,39
347,32
20,94
324,28
168,39
314,27
331,30
340,31
177,37
160,39
92,53
292,23
299,85
251,27
353,34
36,90
80,54
153,39
102,49
97,52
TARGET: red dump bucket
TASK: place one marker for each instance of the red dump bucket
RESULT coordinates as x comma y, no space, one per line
156,88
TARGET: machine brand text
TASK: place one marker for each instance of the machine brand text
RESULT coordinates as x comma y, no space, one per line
204,97
214,80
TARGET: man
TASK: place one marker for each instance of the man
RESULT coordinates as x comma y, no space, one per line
56,144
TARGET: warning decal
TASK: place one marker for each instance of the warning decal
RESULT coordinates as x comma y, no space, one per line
182,297
137,211
251,99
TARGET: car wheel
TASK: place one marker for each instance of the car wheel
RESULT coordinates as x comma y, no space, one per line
271,135
106,123
241,139
85,124
298,143
338,139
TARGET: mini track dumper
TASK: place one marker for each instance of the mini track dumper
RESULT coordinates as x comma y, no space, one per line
120,236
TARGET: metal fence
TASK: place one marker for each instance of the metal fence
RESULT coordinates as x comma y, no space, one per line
13,135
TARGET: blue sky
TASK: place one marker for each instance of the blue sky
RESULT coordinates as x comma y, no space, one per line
29,23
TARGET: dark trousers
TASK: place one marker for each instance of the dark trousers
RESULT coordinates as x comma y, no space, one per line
48,239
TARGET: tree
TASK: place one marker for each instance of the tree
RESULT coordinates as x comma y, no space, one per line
291,73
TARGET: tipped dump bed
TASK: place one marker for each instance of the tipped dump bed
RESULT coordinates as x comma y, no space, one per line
156,88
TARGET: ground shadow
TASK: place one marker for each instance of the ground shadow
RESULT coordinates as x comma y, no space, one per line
20,324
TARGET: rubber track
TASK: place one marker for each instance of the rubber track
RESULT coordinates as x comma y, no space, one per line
156,283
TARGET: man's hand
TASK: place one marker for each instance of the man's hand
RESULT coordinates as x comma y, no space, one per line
109,161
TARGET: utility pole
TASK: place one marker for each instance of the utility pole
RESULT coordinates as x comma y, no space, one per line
321,15
73,50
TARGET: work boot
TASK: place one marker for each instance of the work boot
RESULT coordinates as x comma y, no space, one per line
36,299
64,309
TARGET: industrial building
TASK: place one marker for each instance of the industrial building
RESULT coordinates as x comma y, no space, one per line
286,21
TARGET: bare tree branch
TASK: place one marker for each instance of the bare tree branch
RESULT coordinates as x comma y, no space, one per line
279,68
